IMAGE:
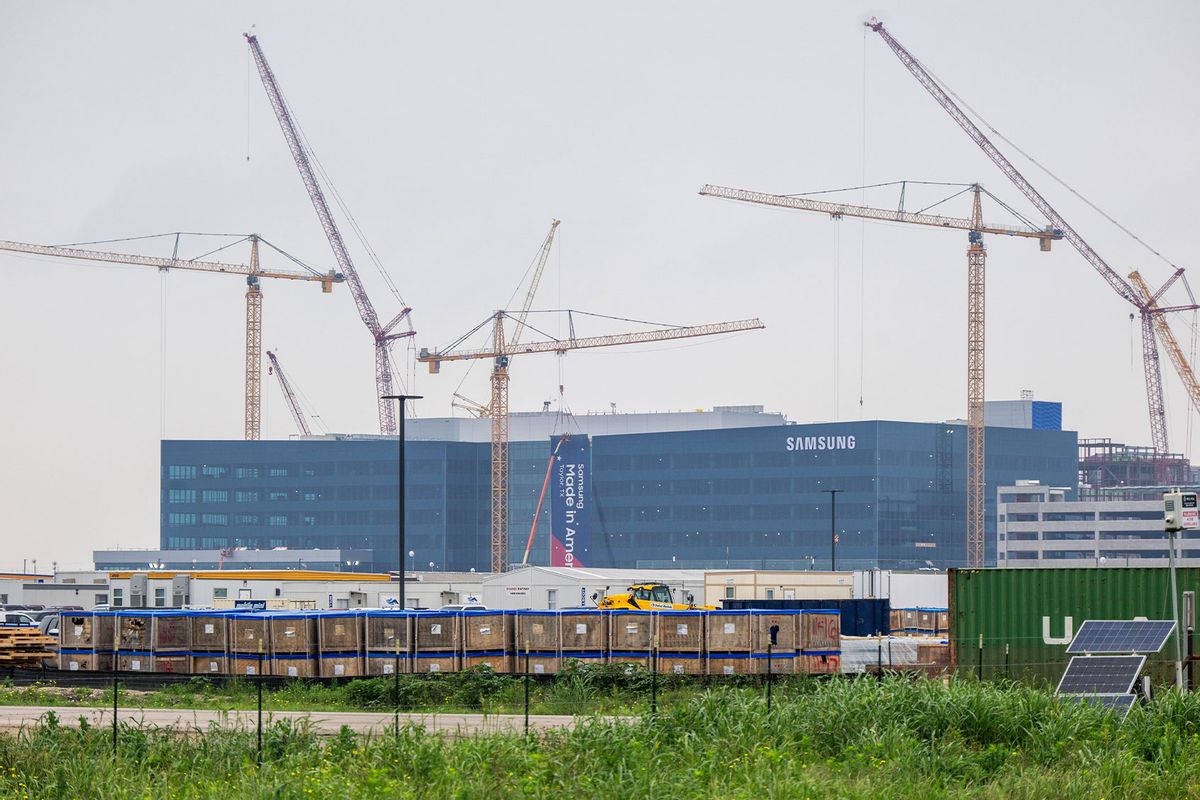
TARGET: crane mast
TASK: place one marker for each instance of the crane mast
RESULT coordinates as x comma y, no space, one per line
253,416
289,395
1150,359
501,351
383,335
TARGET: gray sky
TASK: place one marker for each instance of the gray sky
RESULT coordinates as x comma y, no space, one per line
455,132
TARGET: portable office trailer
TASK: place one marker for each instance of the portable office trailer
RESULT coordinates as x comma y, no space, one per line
293,633
435,632
387,630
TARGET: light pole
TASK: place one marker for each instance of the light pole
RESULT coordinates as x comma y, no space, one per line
833,493
412,559
401,399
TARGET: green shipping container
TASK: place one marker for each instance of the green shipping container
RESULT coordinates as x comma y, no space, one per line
1027,617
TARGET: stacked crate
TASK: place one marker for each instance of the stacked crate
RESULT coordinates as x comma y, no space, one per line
133,651
387,637
210,642
537,642
169,641
778,657
294,644
436,639
249,640
340,639
820,642
680,642
730,639
487,639
85,641
582,635
630,637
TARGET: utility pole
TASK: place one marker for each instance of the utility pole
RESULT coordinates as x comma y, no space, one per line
402,400
833,538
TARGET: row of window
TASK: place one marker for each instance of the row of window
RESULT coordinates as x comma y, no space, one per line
307,519
1059,536
419,491
1113,555
1082,516
419,466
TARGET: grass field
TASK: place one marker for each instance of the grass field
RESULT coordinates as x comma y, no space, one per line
841,738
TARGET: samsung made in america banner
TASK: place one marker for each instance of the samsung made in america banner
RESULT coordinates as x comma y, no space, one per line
570,501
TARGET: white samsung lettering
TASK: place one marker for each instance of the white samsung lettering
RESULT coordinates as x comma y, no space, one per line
794,443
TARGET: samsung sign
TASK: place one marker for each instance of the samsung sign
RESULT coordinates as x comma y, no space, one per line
820,443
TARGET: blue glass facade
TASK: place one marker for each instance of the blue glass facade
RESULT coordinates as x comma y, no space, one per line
747,497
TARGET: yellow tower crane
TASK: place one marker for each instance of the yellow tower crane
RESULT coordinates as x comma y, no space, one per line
252,361
976,263
501,351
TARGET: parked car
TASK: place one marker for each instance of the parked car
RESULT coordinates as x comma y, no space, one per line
18,619
49,625
465,607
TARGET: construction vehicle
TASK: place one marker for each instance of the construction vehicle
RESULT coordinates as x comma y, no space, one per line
648,597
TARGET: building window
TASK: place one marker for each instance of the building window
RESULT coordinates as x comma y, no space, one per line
1128,515
214,496
180,472
245,472
728,592
214,471
309,520
1022,555
552,599
1014,517
220,594
176,520
278,472
1066,536
243,496
181,495
160,598
214,519
247,519
770,594
1022,536
118,597
1068,516
280,495
277,519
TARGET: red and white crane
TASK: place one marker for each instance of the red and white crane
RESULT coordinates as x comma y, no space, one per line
1147,305
289,395
383,334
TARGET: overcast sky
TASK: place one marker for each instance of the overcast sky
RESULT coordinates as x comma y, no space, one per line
456,132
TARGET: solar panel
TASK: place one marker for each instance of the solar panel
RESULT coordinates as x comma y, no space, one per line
1119,704
1100,674
1121,636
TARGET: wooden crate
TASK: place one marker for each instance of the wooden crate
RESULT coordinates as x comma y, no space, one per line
249,634
347,665
896,620
820,630
486,630
384,629
630,631
538,664
84,661
926,620
249,665
909,620
680,664
583,631
681,631
171,632
780,663
729,631
819,663
435,633
84,630
434,662
134,631
729,664
294,666
935,653
943,622
630,659
209,664
340,633
293,634
536,630
499,661
381,664
208,632
180,663
786,638
139,661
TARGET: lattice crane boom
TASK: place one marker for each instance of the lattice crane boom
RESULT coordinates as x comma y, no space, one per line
252,362
1167,337
383,335
543,257
501,351
289,395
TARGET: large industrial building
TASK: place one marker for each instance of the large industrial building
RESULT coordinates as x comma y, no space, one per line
727,488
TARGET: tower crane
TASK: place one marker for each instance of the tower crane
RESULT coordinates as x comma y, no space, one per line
254,273
976,295
501,351
288,395
382,333
1167,337
1146,305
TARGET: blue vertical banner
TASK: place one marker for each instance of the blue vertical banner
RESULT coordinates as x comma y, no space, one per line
571,500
